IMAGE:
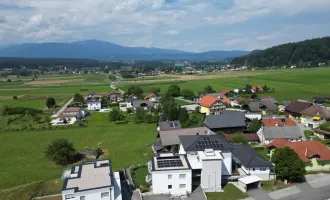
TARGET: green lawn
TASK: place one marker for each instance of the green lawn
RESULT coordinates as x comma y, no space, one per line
288,84
140,176
308,133
181,102
231,192
269,185
24,160
262,151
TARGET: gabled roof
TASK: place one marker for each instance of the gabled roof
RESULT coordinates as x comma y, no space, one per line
141,103
298,106
171,137
254,87
268,99
314,110
224,92
202,142
257,106
150,95
288,132
247,136
208,101
278,121
169,125
72,109
305,149
227,119
249,157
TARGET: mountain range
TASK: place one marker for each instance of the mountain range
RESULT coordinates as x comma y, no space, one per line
101,50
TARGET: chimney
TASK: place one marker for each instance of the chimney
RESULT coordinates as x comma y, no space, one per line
306,152
276,124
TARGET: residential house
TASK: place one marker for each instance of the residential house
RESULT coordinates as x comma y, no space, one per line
318,100
268,99
114,97
261,107
327,98
211,105
270,133
295,107
123,106
243,100
251,138
275,122
315,111
191,108
94,101
314,154
152,97
256,88
92,180
169,138
323,134
144,104
314,122
168,125
227,121
227,93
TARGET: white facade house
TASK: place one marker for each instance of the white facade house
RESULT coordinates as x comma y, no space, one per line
124,106
171,174
93,180
268,134
94,102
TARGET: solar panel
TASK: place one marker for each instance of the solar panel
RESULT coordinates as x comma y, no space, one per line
169,163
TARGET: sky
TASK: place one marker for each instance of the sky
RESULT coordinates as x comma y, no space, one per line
189,25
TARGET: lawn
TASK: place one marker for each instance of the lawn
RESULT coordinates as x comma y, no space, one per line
262,151
269,185
231,192
25,162
288,84
308,134
140,176
181,102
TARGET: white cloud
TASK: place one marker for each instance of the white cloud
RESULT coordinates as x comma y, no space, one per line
172,32
236,41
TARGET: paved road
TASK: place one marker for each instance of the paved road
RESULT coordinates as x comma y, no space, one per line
113,86
63,108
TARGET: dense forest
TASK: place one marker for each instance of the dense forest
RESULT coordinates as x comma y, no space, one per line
307,53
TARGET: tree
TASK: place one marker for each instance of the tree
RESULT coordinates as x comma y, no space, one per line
15,97
50,103
104,101
255,125
173,90
169,107
208,89
156,91
288,165
183,117
61,151
4,110
135,90
254,96
265,88
112,78
116,115
8,80
187,94
139,115
239,139
248,88
78,98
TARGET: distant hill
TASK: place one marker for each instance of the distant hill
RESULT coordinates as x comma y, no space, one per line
100,50
305,53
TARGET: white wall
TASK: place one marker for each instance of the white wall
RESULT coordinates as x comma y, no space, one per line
227,163
264,175
161,181
94,105
181,150
211,175
90,194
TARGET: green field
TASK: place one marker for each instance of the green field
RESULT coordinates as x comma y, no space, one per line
288,85
23,158
230,192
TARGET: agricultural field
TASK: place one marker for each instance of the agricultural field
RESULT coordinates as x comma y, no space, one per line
287,84
25,161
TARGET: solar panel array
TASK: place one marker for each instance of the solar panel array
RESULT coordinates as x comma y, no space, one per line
207,143
169,163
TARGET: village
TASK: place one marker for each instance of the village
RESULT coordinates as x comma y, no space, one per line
231,137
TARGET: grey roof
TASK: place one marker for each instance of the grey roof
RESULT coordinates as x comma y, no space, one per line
227,119
287,132
171,137
193,142
286,103
258,106
140,103
131,98
249,157
314,110
169,125
269,99
157,146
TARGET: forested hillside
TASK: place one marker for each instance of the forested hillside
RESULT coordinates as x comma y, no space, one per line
302,54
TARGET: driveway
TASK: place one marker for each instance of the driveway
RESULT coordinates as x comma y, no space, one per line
259,194
63,108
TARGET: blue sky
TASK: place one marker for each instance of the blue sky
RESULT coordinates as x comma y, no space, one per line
190,25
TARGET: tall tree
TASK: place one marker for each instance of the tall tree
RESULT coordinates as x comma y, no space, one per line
78,98
61,151
116,115
135,90
104,101
187,94
156,91
248,88
208,89
174,90
183,117
288,165
139,115
255,125
112,77
265,88
50,102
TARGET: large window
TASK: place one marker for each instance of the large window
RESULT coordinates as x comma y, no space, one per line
182,176
169,187
182,186
82,198
105,195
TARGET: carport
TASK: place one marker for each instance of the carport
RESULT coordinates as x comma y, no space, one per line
248,183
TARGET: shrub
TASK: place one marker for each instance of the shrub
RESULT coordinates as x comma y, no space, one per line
50,103
14,97
22,110
61,151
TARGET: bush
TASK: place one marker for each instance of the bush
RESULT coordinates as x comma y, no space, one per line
50,102
61,151
14,97
325,126
22,110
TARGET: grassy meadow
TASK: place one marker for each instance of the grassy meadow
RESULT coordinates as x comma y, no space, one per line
288,84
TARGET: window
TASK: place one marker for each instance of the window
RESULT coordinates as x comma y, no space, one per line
182,176
82,198
104,195
169,187
262,169
182,186
254,169
170,176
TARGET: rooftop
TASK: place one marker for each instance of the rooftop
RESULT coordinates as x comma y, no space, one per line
89,175
208,101
150,95
257,106
278,122
227,119
169,125
249,157
202,142
288,132
72,109
314,110
297,106
169,162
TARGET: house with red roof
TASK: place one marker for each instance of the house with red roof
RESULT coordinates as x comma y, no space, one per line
152,97
256,88
273,122
314,154
227,93
211,105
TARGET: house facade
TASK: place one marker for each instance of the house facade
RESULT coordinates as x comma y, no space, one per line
294,108
93,180
152,97
268,134
211,105
94,101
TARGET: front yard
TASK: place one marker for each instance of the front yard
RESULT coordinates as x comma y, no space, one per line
270,187
262,151
231,192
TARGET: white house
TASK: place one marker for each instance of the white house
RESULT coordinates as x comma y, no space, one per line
92,180
152,97
268,134
171,174
94,101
